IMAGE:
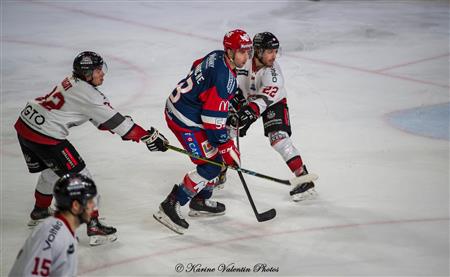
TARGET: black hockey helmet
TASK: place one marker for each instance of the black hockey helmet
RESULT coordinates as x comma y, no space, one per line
265,40
73,187
85,63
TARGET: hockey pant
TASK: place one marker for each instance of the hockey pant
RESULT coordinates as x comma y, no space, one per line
199,182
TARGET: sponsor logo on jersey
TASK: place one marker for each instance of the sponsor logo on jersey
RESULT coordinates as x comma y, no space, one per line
32,116
210,61
52,234
209,150
223,106
198,74
274,74
231,83
192,144
71,249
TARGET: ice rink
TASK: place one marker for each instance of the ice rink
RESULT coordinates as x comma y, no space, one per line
368,91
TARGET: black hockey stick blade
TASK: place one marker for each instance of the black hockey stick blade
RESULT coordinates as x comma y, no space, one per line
268,215
260,217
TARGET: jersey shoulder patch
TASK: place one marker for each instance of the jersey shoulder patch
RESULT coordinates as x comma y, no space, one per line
226,83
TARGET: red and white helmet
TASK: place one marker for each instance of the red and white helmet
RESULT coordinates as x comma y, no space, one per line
237,39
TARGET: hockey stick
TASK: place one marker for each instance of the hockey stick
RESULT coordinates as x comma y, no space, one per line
267,215
291,182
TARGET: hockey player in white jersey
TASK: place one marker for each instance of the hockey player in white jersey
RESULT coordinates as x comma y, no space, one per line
44,124
51,250
262,94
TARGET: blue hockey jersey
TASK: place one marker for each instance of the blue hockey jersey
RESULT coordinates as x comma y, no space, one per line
201,100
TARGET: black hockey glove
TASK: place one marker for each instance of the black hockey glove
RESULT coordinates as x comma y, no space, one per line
155,140
243,119
237,102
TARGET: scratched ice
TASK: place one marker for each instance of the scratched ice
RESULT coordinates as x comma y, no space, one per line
383,204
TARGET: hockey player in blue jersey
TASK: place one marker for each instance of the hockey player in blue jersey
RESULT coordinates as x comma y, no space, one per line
196,112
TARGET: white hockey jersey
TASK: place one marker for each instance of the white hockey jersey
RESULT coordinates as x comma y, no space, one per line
71,103
264,87
51,250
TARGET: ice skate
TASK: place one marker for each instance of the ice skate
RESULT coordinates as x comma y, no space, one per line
205,207
305,190
99,233
169,214
38,215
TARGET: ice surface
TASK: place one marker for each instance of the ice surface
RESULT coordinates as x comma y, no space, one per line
383,205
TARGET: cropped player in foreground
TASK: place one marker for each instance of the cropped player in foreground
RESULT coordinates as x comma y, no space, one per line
196,112
261,93
51,250
44,124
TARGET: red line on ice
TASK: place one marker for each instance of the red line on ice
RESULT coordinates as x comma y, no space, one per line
250,237
412,62
168,30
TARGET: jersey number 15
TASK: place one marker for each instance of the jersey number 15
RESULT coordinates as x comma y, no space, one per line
44,267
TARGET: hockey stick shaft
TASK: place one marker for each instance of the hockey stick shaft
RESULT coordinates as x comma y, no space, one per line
239,169
267,215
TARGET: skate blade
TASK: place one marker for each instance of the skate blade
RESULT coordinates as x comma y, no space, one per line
165,220
193,213
306,195
99,240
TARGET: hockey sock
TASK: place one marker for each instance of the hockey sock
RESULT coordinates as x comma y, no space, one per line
296,165
194,184
183,195
44,188
42,200
206,193
282,143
